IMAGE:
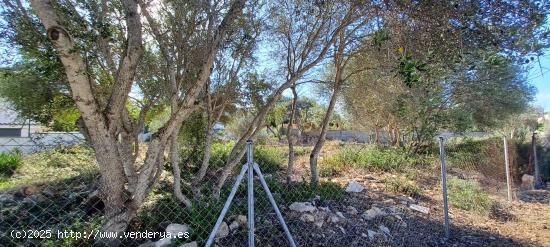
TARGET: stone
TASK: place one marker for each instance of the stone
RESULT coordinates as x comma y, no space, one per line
223,231
319,223
192,244
176,230
163,242
34,199
384,229
352,210
326,209
48,192
373,213
354,187
406,200
30,190
148,243
364,235
242,220
6,198
334,219
372,234
302,207
234,225
340,214
419,208
342,229
388,201
307,218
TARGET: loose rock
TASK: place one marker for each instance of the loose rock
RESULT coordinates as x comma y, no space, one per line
384,229
419,208
334,219
48,192
30,190
223,231
192,244
354,187
372,234
352,210
6,198
176,230
373,213
307,218
234,225
242,220
163,242
302,207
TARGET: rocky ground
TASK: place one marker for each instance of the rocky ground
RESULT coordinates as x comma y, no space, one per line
366,215
370,216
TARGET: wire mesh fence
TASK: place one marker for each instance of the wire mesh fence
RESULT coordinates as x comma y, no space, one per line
37,142
367,195
52,201
481,164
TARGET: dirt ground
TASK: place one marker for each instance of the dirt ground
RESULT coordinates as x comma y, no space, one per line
523,222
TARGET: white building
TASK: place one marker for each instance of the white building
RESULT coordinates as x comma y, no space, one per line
28,137
12,125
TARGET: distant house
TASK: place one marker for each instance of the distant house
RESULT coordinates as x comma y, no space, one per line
12,125
29,137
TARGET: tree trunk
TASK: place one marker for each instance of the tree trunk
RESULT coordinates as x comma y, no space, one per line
313,157
290,138
176,170
207,147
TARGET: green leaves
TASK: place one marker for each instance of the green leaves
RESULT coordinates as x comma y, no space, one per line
411,70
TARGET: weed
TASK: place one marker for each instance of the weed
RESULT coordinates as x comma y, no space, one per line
402,185
9,163
467,195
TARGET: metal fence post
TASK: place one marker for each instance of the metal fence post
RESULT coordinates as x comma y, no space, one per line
507,168
250,162
444,185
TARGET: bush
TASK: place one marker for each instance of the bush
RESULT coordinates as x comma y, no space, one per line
301,151
401,185
269,158
9,163
467,195
370,157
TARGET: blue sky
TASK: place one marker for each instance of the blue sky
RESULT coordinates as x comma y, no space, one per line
539,76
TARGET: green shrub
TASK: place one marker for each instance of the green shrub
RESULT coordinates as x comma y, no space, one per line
369,157
301,151
402,185
331,167
270,158
9,163
468,195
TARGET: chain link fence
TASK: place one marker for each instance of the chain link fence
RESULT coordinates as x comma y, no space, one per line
37,142
480,164
367,196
